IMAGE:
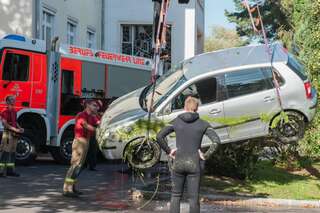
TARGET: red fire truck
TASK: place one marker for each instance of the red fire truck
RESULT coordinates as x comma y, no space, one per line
50,83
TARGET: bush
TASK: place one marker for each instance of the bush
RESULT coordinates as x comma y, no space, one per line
236,160
307,39
310,145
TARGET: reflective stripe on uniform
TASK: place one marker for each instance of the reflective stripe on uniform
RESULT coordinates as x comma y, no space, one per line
70,181
2,165
10,165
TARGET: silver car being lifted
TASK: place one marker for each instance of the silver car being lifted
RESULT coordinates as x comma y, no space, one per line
237,96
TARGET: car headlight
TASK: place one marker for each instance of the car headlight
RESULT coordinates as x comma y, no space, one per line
127,129
113,136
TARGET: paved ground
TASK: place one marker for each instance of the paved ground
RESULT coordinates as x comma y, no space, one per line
39,190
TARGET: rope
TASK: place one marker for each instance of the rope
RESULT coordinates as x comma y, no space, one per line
159,44
153,195
266,42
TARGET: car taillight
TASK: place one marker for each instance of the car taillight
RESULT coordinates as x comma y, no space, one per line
308,88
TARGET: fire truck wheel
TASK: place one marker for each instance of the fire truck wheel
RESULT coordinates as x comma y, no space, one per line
26,150
63,153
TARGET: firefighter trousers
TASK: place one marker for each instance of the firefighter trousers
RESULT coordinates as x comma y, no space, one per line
79,152
91,160
8,148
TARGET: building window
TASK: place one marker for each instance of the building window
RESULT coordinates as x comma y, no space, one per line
137,40
71,32
91,39
47,27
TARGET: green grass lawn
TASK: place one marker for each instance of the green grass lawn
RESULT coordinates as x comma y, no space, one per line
272,182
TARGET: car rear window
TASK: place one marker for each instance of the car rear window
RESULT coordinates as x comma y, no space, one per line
297,67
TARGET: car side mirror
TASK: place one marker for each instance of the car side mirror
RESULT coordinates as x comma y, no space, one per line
167,110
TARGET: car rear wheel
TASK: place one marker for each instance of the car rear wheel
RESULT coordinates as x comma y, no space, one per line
289,131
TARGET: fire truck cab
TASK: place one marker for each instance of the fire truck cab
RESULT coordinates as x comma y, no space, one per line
50,84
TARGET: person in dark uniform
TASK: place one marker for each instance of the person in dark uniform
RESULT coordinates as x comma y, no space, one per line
189,129
91,161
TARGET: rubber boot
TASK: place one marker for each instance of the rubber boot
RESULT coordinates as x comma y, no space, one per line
3,164
11,165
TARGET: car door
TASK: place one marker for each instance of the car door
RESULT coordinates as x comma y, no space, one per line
250,97
211,109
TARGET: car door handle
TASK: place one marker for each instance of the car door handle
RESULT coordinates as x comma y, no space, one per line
215,111
268,99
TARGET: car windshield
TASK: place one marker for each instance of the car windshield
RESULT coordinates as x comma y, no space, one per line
163,85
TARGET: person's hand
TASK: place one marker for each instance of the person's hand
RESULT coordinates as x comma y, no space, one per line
172,153
201,154
18,130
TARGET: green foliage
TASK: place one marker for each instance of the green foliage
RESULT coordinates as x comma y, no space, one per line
283,118
297,24
275,18
142,154
270,181
229,121
222,38
310,145
139,128
307,39
237,160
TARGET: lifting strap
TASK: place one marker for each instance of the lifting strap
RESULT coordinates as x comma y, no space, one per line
159,43
255,23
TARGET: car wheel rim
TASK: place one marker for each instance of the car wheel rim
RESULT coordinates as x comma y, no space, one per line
143,156
290,129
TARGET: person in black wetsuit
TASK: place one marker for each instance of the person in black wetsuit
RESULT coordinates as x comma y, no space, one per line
189,129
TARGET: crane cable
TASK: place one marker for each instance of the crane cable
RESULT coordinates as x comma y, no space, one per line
159,44
266,42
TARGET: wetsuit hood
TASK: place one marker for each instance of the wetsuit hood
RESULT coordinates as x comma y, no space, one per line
189,117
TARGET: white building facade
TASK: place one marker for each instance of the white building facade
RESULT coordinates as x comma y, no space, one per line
128,28
121,26
77,22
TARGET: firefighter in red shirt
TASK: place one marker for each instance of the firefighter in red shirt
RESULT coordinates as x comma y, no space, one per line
9,139
84,126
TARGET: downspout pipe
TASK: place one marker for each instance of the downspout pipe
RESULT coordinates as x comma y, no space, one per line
36,19
102,24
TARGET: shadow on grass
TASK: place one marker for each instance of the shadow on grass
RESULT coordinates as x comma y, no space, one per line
266,175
